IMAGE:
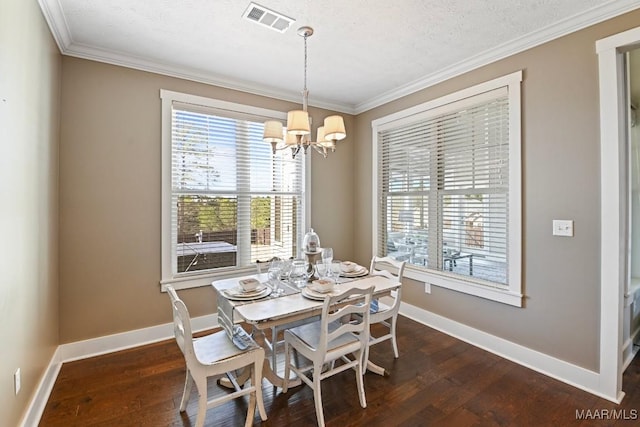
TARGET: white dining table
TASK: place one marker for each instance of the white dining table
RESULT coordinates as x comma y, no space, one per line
274,310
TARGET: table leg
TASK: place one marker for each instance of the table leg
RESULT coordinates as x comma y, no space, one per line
379,370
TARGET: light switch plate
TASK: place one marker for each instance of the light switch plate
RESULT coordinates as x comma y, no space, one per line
563,227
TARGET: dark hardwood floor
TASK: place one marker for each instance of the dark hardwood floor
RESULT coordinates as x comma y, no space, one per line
437,381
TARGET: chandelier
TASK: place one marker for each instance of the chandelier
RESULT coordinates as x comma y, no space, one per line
298,123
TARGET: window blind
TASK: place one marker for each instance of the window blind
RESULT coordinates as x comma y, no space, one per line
233,201
444,189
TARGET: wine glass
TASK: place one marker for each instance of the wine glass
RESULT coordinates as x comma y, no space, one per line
327,255
274,276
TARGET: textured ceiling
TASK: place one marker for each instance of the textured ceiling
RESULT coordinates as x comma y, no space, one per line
363,52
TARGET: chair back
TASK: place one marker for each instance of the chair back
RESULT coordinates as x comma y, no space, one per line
356,310
378,264
225,315
182,325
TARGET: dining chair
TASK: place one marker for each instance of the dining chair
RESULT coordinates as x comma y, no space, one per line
385,314
329,339
215,355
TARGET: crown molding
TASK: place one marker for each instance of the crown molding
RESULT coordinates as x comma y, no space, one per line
54,16
142,64
564,27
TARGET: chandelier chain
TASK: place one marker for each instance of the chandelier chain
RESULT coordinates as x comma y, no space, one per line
304,90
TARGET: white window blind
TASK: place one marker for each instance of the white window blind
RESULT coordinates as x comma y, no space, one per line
444,191
232,202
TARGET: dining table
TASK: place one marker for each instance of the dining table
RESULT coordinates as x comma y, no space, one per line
279,309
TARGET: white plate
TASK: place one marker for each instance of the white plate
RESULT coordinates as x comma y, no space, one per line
238,291
311,294
357,273
234,295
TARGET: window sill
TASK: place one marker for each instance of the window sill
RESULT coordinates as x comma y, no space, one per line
199,280
445,280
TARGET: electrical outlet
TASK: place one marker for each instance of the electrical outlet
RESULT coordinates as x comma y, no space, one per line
17,383
563,227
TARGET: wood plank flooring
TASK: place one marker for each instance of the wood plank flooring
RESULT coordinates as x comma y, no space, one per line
437,381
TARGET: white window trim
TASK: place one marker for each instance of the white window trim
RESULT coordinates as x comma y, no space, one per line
198,279
512,294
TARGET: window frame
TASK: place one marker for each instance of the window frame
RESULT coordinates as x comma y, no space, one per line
512,293
204,278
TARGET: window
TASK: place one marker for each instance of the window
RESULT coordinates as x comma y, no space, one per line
447,175
227,200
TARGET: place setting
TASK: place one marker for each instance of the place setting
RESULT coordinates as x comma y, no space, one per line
248,289
320,289
351,270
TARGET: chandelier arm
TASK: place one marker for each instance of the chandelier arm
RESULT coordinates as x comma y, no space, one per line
321,150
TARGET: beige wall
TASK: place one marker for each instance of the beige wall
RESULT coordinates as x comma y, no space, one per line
109,208
29,116
561,180
110,198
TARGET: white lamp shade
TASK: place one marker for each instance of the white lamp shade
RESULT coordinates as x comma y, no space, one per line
298,122
320,134
291,139
273,131
322,141
334,128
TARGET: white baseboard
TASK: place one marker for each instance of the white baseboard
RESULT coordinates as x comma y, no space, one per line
98,346
41,395
561,370
122,341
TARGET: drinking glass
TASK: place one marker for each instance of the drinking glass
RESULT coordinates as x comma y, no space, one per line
335,270
274,271
323,269
327,255
298,275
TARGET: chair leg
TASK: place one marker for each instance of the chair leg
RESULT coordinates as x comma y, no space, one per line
317,394
287,360
393,336
274,347
360,382
365,359
201,385
257,381
188,383
251,411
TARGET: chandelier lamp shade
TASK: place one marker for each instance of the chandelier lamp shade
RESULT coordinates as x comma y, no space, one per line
298,134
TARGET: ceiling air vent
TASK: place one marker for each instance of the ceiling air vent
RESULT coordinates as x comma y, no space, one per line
269,18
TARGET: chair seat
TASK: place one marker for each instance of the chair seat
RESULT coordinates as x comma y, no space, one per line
216,347
383,312
309,334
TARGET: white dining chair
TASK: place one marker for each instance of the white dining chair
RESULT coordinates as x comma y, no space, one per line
215,355
385,314
329,339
